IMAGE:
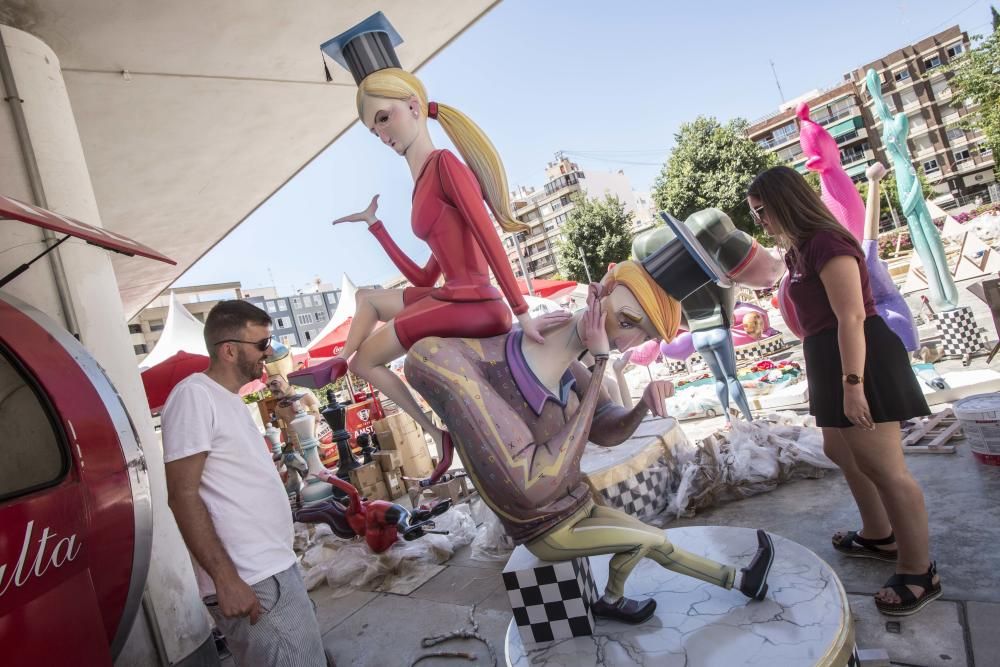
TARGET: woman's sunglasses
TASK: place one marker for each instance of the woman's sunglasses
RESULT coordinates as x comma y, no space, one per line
755,212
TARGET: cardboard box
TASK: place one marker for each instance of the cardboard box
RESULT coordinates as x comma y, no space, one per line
376,492
398,426
366,476
454,489
389,460
417,465
389,441
394,483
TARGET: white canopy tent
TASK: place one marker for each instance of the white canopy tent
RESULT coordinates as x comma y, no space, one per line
182,331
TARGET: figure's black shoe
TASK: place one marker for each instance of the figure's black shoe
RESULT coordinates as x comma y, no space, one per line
625,610
754,581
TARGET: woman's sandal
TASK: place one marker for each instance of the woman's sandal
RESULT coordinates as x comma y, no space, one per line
853,545
910,603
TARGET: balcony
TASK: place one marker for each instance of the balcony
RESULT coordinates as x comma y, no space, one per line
843,113
774,142
848,158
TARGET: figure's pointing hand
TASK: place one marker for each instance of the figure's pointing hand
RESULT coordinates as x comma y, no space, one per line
367,215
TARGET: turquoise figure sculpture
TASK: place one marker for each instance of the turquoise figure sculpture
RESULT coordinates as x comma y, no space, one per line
925,237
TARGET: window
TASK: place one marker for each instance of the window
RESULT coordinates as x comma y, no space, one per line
901,75
565,200
296,302
917,122
320,316
140,349
33,455
932,62
560,219
922,144
955,49
930,166
282,323
908,98
509,241
556,205
290,339
961,155
309,335
785,132
304,318
940,88
984,149
789,153
955,134
282,304
156,325
134,328
331,298
270,307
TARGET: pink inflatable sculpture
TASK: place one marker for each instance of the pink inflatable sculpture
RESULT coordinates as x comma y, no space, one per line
680,348
838,191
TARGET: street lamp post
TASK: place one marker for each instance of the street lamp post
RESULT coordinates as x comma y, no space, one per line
583,258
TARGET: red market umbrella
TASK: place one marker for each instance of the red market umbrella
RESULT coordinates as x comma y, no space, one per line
332,343
160,380
546,288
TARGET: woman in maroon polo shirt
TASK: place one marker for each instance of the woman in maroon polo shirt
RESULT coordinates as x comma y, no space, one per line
860,384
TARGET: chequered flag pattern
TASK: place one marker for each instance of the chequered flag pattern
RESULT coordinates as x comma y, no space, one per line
959,332
761,349
552,600
643,495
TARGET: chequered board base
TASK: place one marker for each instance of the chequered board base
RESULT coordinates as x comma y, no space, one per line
761,348
643,495
749,352
960,335
675,367
550,600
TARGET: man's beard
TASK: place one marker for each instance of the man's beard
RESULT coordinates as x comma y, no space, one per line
247,366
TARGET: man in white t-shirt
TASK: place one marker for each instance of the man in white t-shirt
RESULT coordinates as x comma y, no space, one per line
229,502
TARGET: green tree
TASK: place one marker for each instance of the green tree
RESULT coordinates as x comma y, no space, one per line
711,165
996,18
977,78
602,228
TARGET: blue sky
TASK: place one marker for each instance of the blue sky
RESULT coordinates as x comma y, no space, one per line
613,80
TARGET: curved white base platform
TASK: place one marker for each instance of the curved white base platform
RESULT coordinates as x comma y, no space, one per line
805,619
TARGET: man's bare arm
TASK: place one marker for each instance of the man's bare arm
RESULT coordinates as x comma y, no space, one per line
198,531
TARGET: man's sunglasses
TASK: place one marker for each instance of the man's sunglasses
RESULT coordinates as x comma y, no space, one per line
261,345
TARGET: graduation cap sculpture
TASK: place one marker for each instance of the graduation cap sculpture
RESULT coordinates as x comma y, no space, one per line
367,47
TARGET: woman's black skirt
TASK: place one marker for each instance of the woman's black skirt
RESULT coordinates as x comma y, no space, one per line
891,388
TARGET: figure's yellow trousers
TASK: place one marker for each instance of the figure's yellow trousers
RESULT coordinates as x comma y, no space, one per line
596,530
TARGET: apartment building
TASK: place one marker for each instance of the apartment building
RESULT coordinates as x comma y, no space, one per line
839,109
956,162
546,210
296,319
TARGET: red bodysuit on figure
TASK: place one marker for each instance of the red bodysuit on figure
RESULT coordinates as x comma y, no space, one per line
449,215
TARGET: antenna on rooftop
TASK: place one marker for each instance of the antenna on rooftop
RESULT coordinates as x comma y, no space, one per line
776,82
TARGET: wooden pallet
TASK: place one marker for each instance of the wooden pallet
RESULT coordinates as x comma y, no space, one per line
931,435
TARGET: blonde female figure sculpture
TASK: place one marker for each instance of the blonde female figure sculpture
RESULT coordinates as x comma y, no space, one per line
448,214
